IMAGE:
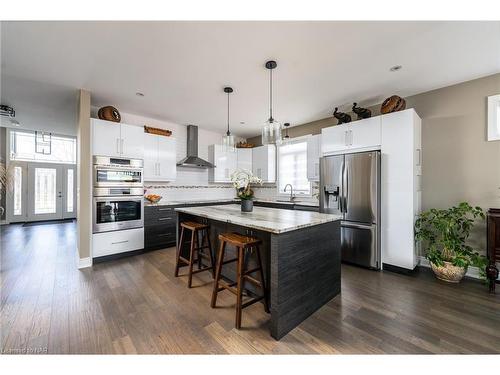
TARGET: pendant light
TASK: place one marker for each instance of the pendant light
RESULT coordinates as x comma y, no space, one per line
271,132
286,125
228,143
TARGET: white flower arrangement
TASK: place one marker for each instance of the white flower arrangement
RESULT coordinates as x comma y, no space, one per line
241,179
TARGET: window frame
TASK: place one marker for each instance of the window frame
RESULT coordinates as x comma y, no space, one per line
280,193
11,147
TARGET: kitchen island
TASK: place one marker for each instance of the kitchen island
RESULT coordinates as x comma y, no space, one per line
301,255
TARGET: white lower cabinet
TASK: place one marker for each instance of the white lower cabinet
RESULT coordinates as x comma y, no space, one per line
117,242
159,158
264,163
225,163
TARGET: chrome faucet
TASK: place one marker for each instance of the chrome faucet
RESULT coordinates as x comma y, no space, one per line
291,191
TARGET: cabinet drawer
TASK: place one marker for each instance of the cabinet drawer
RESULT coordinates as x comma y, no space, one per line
116,242
157,236
159,215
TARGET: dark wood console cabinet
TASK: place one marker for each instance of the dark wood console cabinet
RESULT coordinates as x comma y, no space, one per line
493,241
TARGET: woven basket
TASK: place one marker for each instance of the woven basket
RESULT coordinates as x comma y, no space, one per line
157,131
449,272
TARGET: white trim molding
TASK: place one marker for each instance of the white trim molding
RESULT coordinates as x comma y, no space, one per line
84,262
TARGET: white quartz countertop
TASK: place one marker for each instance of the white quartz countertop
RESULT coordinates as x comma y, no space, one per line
235,200
272,220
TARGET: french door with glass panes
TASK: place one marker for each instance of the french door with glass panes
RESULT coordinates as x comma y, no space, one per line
51,191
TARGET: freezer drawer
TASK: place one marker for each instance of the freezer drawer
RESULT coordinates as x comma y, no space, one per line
359,245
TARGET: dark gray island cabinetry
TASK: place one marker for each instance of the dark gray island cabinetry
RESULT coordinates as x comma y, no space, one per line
301,256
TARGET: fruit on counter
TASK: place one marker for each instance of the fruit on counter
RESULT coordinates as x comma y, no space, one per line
153,197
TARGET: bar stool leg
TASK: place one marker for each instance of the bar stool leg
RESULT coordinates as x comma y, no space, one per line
191,258
210,254
220,259
179,248
239,289
261,273
198,251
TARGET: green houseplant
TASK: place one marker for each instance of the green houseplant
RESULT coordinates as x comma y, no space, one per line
445,233
241,180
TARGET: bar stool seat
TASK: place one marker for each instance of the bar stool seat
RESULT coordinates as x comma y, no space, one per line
195,249
242,244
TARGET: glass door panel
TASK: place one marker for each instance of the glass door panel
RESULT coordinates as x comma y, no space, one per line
44,192
69,192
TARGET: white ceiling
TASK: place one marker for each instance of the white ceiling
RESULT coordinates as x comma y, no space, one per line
182,67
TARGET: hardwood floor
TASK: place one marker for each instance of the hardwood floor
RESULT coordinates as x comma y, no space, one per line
136,305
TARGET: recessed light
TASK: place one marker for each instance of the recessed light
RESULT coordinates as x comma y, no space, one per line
242,122
138,93
395,68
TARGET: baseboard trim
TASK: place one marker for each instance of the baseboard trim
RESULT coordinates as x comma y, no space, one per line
84,262
396,269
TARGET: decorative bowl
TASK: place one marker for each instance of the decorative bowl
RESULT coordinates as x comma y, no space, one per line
449,272
153,198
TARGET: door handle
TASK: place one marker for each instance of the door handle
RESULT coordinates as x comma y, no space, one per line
59,194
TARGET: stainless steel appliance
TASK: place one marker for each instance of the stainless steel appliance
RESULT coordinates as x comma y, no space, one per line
117,172
117,208
350,186
192,160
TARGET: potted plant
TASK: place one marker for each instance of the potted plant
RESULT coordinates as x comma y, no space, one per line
445,232
241,180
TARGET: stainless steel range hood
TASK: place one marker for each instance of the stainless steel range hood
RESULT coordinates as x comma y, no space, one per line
192,160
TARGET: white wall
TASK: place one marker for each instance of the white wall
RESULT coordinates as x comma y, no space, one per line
191,183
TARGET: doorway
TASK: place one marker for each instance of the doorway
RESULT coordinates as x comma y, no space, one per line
43,191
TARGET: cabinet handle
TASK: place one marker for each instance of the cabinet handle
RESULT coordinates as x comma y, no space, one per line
121,146
165,234
119,242
164,209
165,218
350,131
345,138
159,168
117,145
419,160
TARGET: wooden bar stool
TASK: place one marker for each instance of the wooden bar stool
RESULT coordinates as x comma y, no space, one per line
242,243
195,247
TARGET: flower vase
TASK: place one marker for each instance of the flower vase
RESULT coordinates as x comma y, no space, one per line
246,205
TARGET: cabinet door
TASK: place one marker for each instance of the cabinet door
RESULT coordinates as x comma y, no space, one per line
334,138
244,158
132,139
105,138
364,133
150,157
313,155
259,162
167,158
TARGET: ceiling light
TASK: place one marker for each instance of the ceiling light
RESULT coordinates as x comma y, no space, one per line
228,143
395,68
138,93
271,132
242,122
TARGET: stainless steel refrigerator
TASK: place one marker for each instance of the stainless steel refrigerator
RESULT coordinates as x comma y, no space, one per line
350,186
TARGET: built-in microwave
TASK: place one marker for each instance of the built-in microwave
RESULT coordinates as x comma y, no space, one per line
117,172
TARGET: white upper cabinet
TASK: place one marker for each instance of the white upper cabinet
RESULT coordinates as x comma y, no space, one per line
167,154
334,138
132,141
313,155
114,139
159,158
364,134
244,158
355,136
106,140
264,163
225,163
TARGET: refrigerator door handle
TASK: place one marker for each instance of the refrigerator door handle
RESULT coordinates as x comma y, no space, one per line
345,186
341,188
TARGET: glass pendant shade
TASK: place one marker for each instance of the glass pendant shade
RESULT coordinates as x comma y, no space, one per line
228,143
271,133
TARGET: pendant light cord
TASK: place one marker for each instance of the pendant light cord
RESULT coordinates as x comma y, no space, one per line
270,95
228,132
